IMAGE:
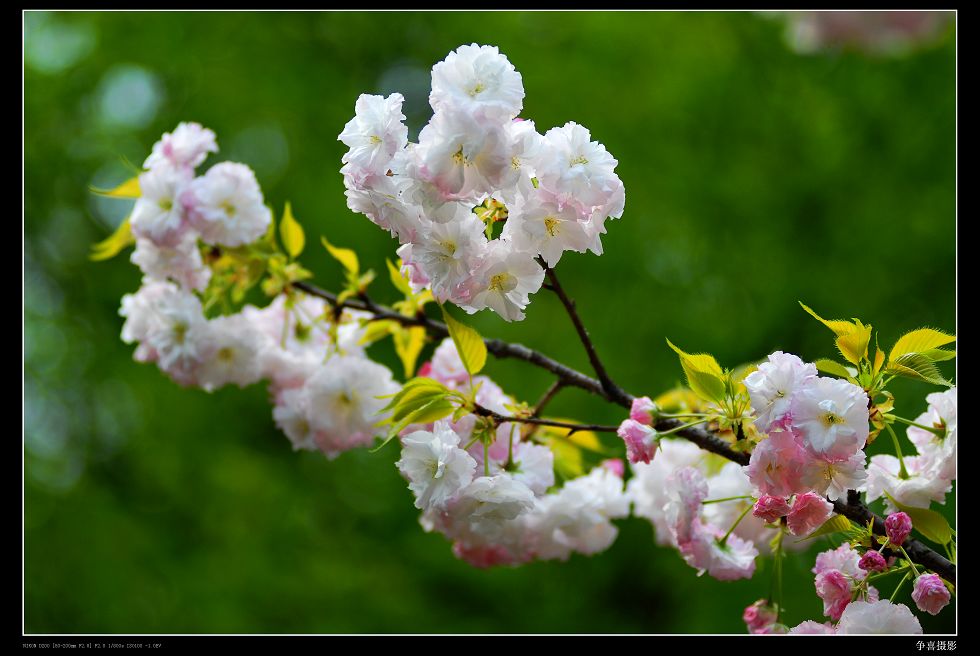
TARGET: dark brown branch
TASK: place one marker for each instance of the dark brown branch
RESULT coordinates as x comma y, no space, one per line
546,397
613,391
503,419
852,509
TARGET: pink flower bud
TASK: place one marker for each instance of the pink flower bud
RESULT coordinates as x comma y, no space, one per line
835,591
615,465
930,593
808,513
640,439
759,617
872,561
642,410
769,508
898,526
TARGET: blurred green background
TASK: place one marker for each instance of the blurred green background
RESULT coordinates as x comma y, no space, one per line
755,177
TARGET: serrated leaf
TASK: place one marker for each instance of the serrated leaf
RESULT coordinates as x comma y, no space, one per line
128,189
929,523
408,344
114,243
839,327
939,355
397,279
832,367
917,366
291,233
346,257
919,341
704,374
836,524
469,344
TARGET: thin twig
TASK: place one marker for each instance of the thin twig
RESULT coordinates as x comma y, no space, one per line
546,397
503,419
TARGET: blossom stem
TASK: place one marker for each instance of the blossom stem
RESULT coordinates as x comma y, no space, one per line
743,496
932,429
911,564
681,428
902,472
899,586
737,522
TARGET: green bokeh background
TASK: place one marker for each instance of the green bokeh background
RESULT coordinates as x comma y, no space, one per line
755,177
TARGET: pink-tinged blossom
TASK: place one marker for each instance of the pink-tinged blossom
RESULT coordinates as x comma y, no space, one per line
446,365
448,253
759,616
919,489
872,561
640,439
384,202
504,281
686,489
436,468
181,263
535,466
159,214
579,171
727,482
831,417
834,478
186,147
291,414
704,551
543,226
614,465
898,526
878,617
489,502
844,559
809,627
233,356
834,589
477,80
772,386
483,556
930,593
226,205
344,402
376,133
769,508
808,513
776,465
647,489
642,410
938,450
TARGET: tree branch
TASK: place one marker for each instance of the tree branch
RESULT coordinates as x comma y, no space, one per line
503,419
613,391
853,509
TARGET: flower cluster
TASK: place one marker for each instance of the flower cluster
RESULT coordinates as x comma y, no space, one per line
324,388
476,164
816,429
496,499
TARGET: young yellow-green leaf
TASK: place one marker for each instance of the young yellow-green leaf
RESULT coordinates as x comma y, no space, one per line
939,355
839,327
583,439
831,367
114,243
377,330
919,341
291,233
469,344
567,458
836,524
854,345
397,279
128,189
408,345
346,257
917,366
704,374
929,523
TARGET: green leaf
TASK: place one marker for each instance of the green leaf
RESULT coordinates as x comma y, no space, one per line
836,524
408,345
854,345
114,243
704,374
397,279
831,367
939,355
472,349
346,257
128,189
919,341
929,523
918,367
377,330
291,233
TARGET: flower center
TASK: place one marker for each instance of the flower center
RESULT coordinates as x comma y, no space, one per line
228,208
578,160
502,282
166,204
375,139
551,224
477,89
